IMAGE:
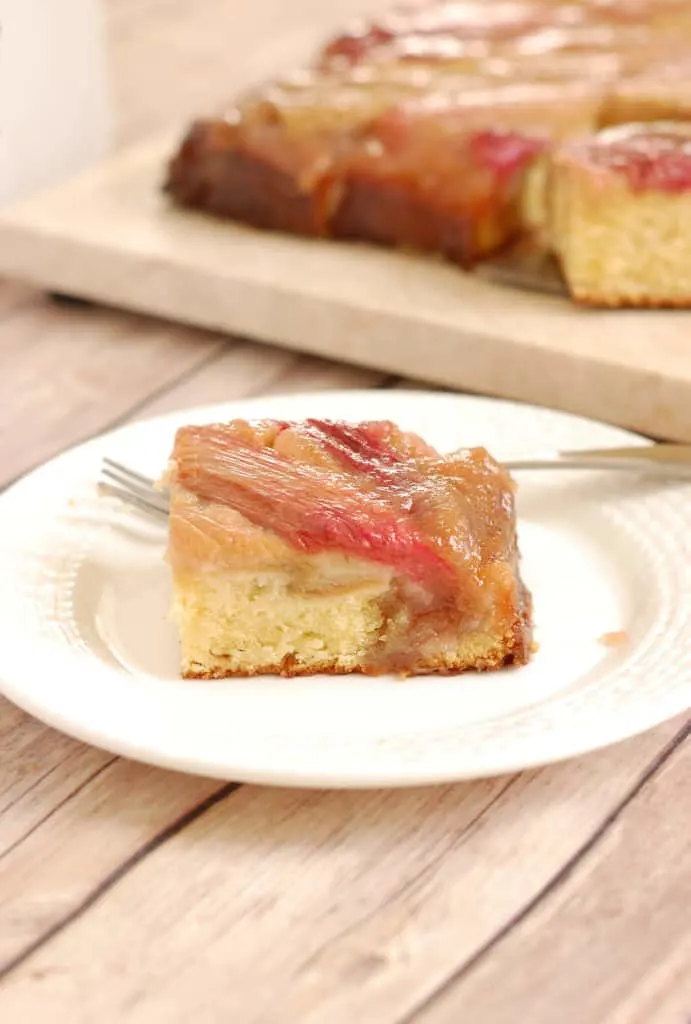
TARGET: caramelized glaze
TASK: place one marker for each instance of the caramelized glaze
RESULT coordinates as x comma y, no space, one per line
650,156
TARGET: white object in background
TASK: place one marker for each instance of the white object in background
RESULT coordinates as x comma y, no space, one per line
53,96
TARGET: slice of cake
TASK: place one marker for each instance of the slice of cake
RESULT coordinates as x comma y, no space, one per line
300,548
621,216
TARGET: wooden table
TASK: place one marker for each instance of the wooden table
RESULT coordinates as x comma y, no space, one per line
132,894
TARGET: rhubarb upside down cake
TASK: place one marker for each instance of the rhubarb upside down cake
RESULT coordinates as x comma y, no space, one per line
330,547
622,207
435,127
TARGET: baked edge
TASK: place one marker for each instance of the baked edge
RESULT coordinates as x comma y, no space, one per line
513,649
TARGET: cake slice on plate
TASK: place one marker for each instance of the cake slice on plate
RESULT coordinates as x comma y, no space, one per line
329,547
621,215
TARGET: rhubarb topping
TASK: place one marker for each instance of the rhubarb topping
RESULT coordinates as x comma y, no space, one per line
652,157
311,508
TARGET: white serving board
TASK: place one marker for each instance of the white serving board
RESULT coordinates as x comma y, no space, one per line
109,235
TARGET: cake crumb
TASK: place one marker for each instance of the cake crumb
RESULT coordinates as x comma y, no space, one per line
615,639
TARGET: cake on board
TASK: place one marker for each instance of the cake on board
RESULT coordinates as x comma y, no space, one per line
621,211
436,127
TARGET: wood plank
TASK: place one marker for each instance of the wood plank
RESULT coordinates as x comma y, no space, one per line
612,944
14,296
40,769
109,818
247,369
662,996
67,373
308,373
334,906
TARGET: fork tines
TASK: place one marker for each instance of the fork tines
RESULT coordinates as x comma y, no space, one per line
132,488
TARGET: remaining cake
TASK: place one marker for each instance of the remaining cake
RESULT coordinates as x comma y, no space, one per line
428,176
300,548
432,126
621,216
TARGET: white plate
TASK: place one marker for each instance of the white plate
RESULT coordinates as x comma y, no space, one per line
86,646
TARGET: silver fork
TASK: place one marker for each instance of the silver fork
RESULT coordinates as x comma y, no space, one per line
664,460
133,488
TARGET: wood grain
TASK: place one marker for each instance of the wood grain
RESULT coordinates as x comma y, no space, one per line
111,815
621,917
40,769
14,296
383,897
68,373
246,370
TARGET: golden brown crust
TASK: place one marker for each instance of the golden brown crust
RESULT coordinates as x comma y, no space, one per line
515,648
604,301
215,170
289,670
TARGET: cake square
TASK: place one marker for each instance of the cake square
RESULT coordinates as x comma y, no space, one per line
330,547
621,216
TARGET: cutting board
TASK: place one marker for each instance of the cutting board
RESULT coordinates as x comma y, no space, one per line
110,235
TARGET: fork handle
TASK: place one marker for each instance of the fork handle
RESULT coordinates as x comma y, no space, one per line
662,459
